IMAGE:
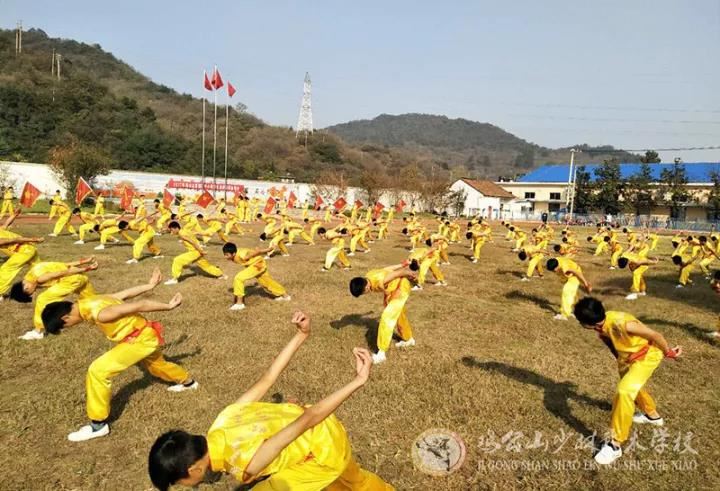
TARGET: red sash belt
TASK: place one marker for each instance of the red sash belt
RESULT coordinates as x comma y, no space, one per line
154,325
639,355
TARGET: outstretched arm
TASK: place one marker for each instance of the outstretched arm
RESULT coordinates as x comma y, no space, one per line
115,312
10,219
140,289
637,328
260,388
73,269
312,416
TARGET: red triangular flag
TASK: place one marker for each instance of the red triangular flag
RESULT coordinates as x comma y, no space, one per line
358,203
168,197
29,196
318,202
82,191
217,81
231,89
205,199
291,200
270,205
340,204
399,206
377,210
206,82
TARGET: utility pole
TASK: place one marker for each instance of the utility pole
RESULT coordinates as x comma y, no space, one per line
573,171
18,38
52,65
305,122
58,58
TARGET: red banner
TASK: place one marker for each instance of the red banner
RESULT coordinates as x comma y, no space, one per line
399,206
168,198
29,196
318,202
377,210
205,199
358,204
126,198
82,190
200,186
291,200
269,206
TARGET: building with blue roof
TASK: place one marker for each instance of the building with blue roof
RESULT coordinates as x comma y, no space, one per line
697,172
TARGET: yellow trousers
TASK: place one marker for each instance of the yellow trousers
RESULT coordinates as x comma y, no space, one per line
303,235
84,229
99,209
336,253
393,317
638,284
601,247
705,263
107,233
193,257
614,258
630,392
477,247
145,239
12,266
77,283
279,243
162,221
214,228
432,265
61,223
535,264
569,296
144,349
7,208
263,278
520,242
685,274
53,211
360,240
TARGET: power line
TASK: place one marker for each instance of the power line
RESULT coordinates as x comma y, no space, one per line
620,150
620,108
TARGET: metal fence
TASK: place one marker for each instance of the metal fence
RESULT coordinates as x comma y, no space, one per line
637,221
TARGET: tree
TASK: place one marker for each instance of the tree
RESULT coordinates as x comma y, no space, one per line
673,191
610,187
583,201
75,160
456,201
713,201
650,157
373,183
638,192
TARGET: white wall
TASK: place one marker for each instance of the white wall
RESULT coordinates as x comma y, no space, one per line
475,202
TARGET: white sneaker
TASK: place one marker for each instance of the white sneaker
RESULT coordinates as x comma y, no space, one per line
324,270
237,306
560,317
713,334
32,335
52,235
524,278
114,240
87,433
474,261
607,455
223,277
612,267
159,256
441,283
679,286
183,388
405,344
642,419
284,298
99,247
366,251
378,357
351,254
416,288
642,294
171,281
131,261
79,242
632,296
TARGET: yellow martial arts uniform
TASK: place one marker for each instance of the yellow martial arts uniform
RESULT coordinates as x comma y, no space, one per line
88,225
319,459
428,260
100,205
138,342
255,267
53,207
616,251
18,256
536,256
394,317
64,215
55,290
637,360
686,271
337,251
146,238
7,203
572,283
192,256
638,283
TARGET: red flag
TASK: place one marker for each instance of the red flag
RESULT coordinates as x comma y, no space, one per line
270,205
168,197
377,210
126,198
399,206
29,195
82,190
318,202
340,204
358,203
206,82
217,81
205,199
291,200
231,89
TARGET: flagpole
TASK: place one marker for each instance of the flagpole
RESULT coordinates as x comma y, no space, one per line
203,144
215,137
227,127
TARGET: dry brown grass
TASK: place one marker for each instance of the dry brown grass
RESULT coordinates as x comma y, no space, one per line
489,357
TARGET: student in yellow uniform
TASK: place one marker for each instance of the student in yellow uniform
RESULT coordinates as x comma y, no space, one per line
138,341
53,207
165,215
194,255
19,251
394,283
64,214
278,240
423,260
337,251
59,280
294,230
110,227
441,242
99,205
616,251
536,255
639,351
315,225
146,238
140,210
357,237
707,255
477,241
328,215
271,446
572,276
687,266
638,265
255,268
215,225
89,224
8,207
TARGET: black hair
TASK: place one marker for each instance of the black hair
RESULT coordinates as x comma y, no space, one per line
357,286
623,262
606,238
223,210
625,230
556,247
259,215
263,236
172,454
50,201
552,264
156,200
677,259
428,242
534,230
589,239
564,232
716,276
703,239
589,311
512,229
122,224
404,230
173,216
306,220
52,316
447,222
76,210
414,265
96,227
522,255
322,230
174,225
469,235
675,243
564,239
200,216
343,230
18,294
229,248
689,238
469,224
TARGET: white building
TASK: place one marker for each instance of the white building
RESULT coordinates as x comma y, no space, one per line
484,198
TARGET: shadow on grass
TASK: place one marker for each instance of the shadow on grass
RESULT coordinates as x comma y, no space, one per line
543,303
556,395
516,274
467,256
120,400
663,287
360,320
693,330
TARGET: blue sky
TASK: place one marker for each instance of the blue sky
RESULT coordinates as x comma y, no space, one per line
634,74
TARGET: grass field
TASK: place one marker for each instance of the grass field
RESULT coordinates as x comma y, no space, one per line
490,360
